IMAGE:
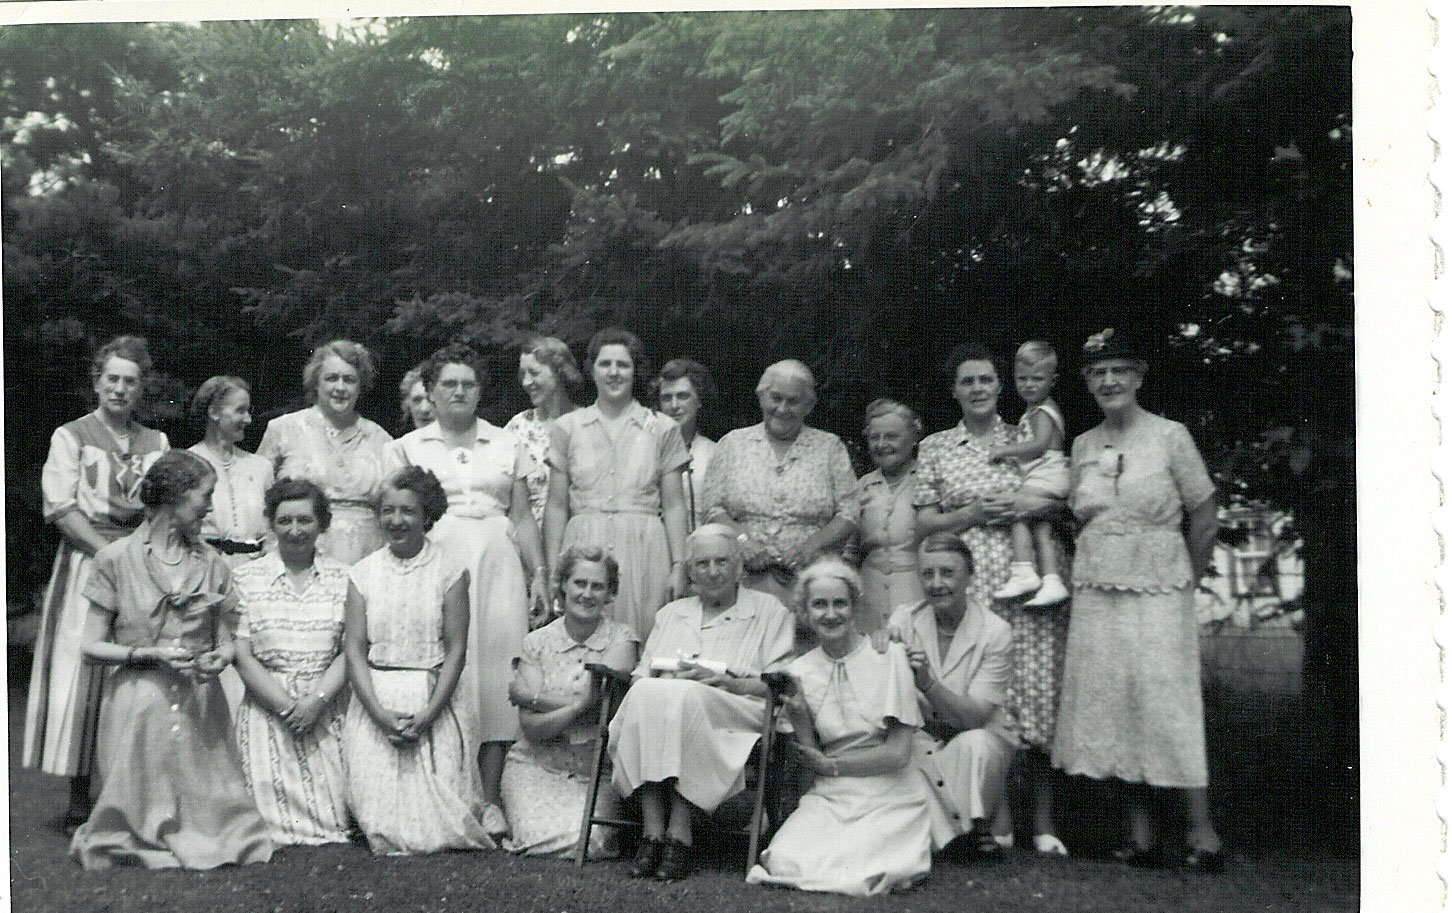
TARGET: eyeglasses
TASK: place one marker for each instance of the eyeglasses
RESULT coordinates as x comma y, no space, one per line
452,384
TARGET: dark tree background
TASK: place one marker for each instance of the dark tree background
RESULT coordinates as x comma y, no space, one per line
858,189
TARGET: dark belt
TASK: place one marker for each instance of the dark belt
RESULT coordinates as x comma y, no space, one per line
233,547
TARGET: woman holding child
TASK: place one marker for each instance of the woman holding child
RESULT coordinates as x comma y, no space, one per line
962,490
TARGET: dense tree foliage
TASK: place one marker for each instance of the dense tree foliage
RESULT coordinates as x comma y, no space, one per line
860,189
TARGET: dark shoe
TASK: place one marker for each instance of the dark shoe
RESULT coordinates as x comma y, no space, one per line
72,820
986,848
647,858
1211,862
1139,857
676,863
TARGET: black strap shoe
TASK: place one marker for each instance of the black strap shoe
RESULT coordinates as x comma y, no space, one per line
647,858
676,863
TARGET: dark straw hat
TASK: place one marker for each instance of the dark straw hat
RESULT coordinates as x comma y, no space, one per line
1109,343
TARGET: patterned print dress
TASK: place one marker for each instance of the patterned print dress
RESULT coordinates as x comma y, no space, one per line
953,470
90,472
297,780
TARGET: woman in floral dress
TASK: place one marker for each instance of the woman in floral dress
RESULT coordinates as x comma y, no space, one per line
548,373
330,444
290,656
960,491
547,773
787,488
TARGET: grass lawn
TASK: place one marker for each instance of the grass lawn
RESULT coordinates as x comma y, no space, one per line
1275,866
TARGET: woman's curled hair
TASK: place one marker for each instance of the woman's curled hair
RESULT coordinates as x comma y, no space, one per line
592,553
355,354
827,567
174,473
131,348
425,486
298,490
949,542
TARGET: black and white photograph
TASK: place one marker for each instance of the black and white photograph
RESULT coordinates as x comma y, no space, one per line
495,461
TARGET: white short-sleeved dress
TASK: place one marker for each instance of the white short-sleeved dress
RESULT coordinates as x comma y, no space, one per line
476,531
424,797
854,835
673,728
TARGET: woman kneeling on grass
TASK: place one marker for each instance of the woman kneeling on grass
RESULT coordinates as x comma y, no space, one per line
863,828
412,783
162,609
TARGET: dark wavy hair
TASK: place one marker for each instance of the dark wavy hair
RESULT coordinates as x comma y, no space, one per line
967,351
425,486
456,352
131,348
297,490
619,336
213,390
354,353
949,542
581,552
174,473
698,374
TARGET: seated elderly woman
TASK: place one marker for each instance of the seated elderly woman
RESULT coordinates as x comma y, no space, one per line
863,828
961,656
687,725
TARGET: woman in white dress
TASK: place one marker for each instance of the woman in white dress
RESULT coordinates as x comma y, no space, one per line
863,828
235,527
289,646
547,773
411,783
687,725
331,444
488,529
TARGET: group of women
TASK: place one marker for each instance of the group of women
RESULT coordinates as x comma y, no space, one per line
333,636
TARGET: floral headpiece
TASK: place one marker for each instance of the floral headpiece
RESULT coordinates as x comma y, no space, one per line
1097,341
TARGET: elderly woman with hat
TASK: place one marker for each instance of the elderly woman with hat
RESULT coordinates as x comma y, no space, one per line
1131,709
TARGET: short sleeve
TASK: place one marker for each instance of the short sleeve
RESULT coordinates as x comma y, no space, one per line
559,451
778,639
101,587
273,447
528,656
244,626
897,696
219,580
524,462
990,681
925,492
395,457
1187,468
61,477
714,485
844,481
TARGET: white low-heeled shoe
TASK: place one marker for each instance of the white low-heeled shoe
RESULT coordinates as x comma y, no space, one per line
1049,845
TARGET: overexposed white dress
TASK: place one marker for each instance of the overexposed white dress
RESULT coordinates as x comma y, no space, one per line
854,835
424,797
477,532
698,734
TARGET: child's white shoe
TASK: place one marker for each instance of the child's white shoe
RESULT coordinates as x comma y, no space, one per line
1052,592
1021,579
